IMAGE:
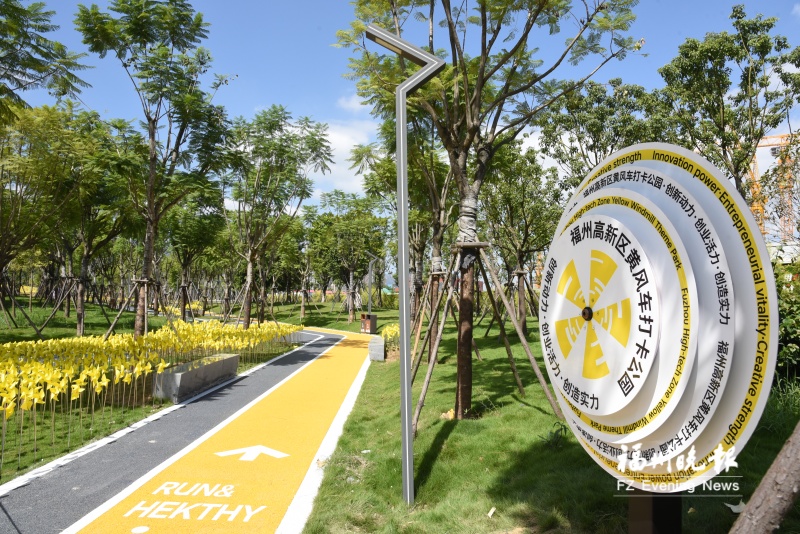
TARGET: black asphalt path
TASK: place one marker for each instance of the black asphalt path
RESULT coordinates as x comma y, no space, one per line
56,500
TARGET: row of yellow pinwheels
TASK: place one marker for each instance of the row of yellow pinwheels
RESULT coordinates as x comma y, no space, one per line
27,290
195,308
39,372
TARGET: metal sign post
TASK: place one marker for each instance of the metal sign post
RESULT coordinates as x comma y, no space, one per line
430,67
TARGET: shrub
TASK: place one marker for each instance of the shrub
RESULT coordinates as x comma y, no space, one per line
787,281
391,337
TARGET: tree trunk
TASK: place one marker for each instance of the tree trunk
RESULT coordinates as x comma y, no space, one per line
14,301
419,285
156,301
67,276
522,313
303,297
80,300
351,315
247,303
262,302
184,290
139,326
436,267
226,300
272,298
464,350
776,493
433,324
121,295
204,296
412,273
467,233
262,292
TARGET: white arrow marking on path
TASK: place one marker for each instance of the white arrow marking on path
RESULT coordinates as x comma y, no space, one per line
251,453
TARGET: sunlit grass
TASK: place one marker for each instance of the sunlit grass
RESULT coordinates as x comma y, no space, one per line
32,441
513,458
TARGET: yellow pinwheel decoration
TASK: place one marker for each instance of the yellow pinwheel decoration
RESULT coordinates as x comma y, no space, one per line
614,318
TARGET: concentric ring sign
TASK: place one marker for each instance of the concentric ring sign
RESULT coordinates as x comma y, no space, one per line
658,318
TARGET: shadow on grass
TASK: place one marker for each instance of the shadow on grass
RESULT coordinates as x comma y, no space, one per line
322,320
494,381
429,460
554,485
336,320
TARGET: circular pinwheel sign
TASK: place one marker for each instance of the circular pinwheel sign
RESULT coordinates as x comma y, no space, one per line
656,318
606,305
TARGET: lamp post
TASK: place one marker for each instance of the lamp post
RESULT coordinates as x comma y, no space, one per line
430,66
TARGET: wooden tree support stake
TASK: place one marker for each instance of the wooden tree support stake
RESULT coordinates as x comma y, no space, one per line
419,319
524,342
418,359
434,352
2,305
503,336
121,309
64,295
419,316
99,301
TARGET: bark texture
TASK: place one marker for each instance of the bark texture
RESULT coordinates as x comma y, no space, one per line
776,493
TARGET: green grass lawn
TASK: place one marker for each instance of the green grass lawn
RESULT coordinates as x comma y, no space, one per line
514,458
60,326
319,315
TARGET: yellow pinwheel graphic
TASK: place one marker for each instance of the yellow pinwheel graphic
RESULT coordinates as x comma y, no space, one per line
615,318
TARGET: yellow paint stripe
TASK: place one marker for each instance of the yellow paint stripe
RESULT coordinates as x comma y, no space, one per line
204,492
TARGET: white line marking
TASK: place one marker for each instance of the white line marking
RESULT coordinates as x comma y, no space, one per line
300,508
250,454
100,510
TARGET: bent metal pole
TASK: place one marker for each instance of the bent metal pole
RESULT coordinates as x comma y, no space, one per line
430,66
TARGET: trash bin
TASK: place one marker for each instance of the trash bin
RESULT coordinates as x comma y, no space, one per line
369,323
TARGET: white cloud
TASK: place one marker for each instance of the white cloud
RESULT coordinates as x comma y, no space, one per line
533,140
796,10
352,104
343,135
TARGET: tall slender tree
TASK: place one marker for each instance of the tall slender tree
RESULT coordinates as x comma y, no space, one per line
192,228
497,81
321,248
275,158
731,89
521,207
106,155
354,230
156,42
36,154
590,123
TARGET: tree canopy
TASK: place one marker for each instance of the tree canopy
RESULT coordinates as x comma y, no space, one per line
729,90
498,79
157,44
29,60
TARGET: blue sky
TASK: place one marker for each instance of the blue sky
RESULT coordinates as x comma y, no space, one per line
282,53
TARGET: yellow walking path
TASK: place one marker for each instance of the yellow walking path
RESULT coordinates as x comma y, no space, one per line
250,488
